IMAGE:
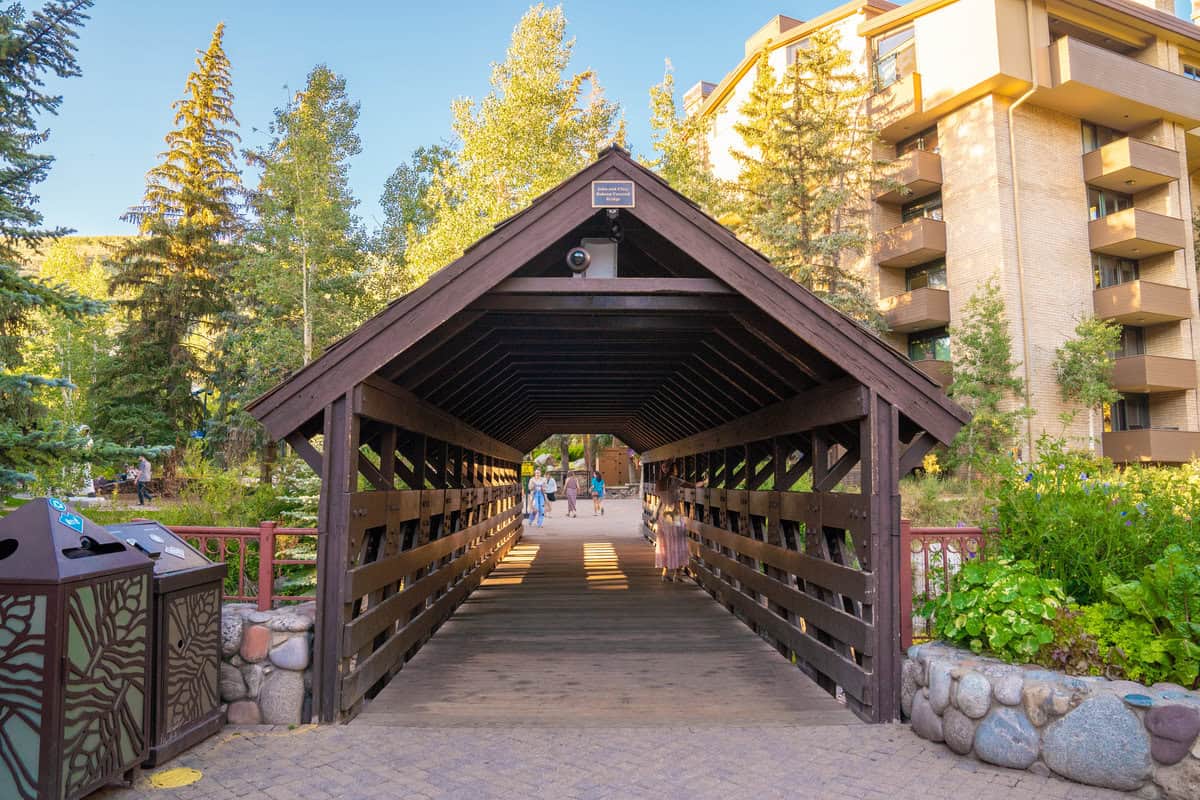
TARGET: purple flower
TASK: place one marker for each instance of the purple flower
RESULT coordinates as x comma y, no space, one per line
1083,476
1128,522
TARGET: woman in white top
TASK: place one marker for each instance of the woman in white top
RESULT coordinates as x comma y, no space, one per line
537,490
551,490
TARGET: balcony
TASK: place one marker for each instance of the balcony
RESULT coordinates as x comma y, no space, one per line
1151,445
1145,374
918,310
912,243
942,372
1136,233
911,176
1142,303
1115,90
892,107
1130,165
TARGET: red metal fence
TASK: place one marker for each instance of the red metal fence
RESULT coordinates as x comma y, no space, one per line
237,546
930,558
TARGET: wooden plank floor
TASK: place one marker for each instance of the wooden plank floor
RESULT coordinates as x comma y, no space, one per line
576,628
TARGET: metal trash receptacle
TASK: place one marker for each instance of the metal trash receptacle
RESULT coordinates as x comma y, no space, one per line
74,654
185,701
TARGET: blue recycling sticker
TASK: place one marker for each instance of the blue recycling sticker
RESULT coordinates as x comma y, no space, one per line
57,505
72,521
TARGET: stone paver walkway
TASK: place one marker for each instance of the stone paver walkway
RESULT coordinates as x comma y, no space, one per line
574,673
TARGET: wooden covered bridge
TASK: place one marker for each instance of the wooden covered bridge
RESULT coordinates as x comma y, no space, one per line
678,339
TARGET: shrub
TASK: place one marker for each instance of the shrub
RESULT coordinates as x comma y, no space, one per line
999,606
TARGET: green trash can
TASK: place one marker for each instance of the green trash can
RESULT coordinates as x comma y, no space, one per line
74,654
185,699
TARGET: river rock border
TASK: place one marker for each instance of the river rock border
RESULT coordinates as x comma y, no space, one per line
266,664
1116,734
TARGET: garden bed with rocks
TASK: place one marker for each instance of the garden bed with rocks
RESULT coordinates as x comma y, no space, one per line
1116,734
266,664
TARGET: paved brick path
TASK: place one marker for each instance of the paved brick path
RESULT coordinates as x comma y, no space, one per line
574,673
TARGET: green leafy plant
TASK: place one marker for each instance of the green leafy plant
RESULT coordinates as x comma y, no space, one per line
999,606
1075,649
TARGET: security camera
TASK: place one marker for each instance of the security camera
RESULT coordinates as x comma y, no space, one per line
578,259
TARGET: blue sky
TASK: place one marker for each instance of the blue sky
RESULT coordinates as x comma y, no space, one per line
403,61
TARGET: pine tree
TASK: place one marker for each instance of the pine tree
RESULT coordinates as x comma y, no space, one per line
680,144
176,272
1084,367
32,46
806,170
985,380
535,128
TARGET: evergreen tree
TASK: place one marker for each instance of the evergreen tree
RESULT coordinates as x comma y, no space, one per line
407,210
1084,367
32,46
535,128
176,272
985,380
680,144
806,171
299,285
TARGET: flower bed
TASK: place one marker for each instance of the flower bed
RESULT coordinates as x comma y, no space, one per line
1116,734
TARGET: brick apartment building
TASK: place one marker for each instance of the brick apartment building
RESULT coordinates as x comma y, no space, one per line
1052,143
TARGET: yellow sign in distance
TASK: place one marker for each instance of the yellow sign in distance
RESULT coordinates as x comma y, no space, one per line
175,778
526,469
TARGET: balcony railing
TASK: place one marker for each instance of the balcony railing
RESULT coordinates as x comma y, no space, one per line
941,371
1142,303
915,242
911,176
1137,233
1130,165
1151,445
917,310
1093,83
1145,374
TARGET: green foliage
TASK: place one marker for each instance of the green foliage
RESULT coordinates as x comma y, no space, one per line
1075,648
176,272
941,500
1079,520
985,381
535,128
806,165
999,606
680,145
408,212
1084,365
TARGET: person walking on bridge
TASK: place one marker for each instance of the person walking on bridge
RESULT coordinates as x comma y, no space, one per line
537,488
571,487
597,494
670,536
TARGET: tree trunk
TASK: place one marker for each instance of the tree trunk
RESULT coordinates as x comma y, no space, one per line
266,464
1092,429
588,464
564,444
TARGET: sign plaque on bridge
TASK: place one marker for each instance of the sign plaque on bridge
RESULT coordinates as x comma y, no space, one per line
612,194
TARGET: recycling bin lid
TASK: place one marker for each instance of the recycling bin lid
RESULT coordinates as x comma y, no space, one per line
48,541
169,552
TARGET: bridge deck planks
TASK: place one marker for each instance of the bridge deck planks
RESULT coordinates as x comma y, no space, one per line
539,644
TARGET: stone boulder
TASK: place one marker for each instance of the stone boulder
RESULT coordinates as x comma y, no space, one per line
1008,689
1172,729
233,687
292,654
243,712
974,696
959,731
256,642
1181,781
940,681
281,698
231,632
1007,739
1102,743
925,721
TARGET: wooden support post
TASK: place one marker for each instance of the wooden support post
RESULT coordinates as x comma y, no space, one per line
881,482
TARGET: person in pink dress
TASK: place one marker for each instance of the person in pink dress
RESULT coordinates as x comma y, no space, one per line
670,533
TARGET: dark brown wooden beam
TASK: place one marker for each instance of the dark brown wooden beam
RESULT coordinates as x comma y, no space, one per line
611,286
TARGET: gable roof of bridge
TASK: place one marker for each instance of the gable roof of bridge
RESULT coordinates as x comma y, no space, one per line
291,405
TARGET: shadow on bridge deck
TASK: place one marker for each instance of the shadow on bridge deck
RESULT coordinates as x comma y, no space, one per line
576,628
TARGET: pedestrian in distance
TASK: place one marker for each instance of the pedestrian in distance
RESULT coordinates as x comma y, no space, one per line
551,493
143,480
537,488
571,487
670,536
597,494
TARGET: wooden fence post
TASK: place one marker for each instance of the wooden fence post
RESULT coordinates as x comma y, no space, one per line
266,564
906,585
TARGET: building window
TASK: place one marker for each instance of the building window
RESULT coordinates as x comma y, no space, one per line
894,57
1191,71
925,140
1113,271
929,207
1102,202
931,345
1130,413
931,275
1096,136
1133,342
794,48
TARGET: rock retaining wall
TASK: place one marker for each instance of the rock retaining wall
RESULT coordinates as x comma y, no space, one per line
1116,734
266,667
